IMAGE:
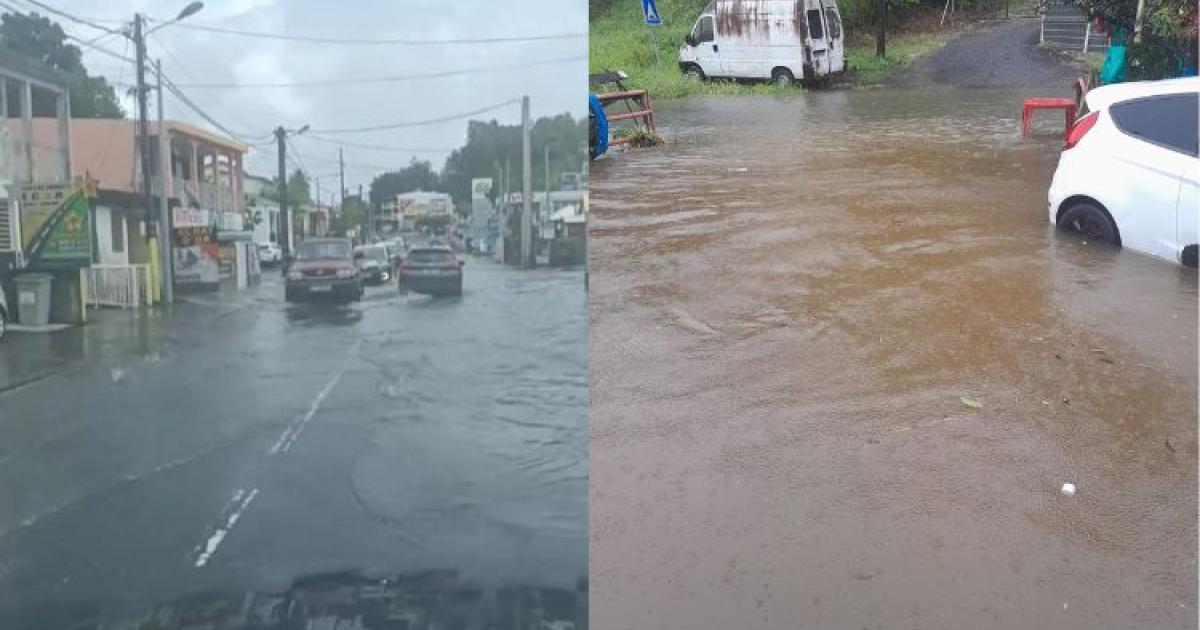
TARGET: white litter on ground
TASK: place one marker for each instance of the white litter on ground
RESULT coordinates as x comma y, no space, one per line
1068,489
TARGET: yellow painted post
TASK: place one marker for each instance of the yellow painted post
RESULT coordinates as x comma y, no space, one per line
154,289
83,291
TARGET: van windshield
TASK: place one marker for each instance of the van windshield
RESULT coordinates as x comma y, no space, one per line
704,30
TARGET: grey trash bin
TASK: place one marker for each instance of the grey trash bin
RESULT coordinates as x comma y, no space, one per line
33,299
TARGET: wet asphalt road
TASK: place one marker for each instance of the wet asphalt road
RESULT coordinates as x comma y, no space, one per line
788,302
242,443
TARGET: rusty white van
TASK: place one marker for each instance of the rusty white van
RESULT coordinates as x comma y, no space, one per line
780,40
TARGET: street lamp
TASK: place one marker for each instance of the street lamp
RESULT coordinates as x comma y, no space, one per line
139,39
190,9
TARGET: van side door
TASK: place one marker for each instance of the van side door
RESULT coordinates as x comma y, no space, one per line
708,52
818,42
836,38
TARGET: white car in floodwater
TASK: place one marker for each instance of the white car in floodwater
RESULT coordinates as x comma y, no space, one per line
780,40
1130,169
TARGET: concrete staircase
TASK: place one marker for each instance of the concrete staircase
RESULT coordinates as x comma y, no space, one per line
1065,27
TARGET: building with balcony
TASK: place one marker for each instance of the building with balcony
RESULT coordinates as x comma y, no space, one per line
205,174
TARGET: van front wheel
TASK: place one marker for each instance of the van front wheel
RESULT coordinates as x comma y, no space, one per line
694,73
782,77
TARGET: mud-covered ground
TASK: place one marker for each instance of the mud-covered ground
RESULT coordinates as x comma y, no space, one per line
841,366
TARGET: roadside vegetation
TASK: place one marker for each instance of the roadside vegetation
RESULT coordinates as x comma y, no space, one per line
620,40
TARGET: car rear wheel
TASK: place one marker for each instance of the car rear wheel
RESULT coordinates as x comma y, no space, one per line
1091,221
782,77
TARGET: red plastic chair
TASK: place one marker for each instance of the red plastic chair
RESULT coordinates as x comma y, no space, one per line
1032,104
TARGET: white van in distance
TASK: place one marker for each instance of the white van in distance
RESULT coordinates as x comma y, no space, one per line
780,40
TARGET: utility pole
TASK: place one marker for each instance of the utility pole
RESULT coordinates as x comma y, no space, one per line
880,28
526,188
546,210
139,41
342,177
285,237
165,229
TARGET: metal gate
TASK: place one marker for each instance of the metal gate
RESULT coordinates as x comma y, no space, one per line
124,286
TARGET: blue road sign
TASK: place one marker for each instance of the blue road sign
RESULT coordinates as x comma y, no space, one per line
651,13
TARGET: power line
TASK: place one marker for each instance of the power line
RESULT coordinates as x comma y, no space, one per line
79,40
378,42
73,18
112,132
391,79
373,147
167,83
292,148
357,165
183,68
421,123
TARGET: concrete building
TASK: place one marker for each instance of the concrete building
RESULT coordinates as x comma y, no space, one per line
205,183
40,229
257,190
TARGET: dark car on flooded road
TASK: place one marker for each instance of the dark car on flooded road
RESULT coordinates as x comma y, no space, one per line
431,269
374,264
323,269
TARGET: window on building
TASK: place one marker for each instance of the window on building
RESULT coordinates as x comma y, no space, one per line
116,224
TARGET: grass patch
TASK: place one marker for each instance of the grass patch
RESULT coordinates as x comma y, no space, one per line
620,40
639,136
902,51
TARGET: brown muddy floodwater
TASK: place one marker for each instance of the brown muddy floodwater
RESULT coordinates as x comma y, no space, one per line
789,302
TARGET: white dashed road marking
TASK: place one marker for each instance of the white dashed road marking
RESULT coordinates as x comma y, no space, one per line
236,506
292,432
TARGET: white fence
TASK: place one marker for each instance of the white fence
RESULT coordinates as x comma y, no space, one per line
125,286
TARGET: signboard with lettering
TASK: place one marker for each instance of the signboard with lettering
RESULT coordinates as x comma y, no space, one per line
56,227
196,254
481,188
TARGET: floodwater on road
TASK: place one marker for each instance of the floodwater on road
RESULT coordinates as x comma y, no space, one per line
797,306
242,443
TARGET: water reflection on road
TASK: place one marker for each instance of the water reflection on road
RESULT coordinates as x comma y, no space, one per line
789,302
240,443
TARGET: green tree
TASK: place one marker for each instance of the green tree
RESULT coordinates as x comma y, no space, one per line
45,41
490,145
299,193
418,175
353,214
1168,33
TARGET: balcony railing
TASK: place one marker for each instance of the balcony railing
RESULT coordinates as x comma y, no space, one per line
201,194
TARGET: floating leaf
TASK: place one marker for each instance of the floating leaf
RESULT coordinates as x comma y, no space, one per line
971,402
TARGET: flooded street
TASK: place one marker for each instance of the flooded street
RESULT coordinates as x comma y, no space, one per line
796,306
239,443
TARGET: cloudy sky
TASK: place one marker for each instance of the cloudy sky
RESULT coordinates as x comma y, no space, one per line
555,83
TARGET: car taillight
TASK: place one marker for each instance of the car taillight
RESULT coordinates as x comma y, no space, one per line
1081,127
